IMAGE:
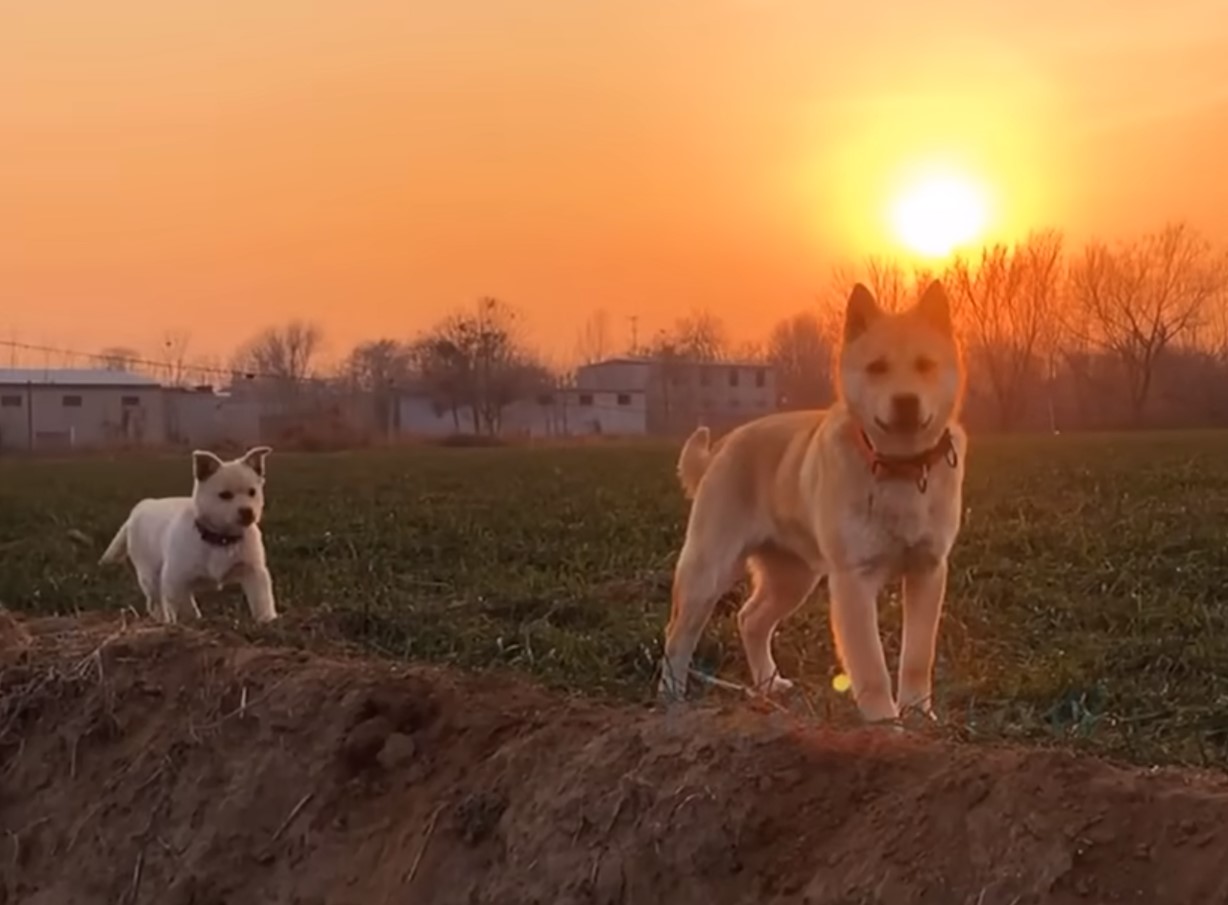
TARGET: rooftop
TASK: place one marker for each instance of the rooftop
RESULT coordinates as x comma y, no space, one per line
76,377
718,363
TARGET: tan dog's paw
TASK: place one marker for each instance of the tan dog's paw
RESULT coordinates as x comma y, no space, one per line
887,724
670,691
918,717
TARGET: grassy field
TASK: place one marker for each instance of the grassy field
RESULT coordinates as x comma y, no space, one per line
1087,603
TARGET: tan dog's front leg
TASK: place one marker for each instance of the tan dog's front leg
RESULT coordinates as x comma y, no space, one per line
258,589
854,620
923,595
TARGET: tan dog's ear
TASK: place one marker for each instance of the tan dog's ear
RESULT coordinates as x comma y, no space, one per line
935,307
254,459
862,311
205,465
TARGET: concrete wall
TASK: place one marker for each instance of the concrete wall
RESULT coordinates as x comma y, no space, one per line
558,414
205,419
622,413
80,417
682,394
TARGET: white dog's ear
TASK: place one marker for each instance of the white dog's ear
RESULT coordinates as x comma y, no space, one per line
935,307
205,465
254,459
862,311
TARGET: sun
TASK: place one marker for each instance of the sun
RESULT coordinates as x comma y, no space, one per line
938,213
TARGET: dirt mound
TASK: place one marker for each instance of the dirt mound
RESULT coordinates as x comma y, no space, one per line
141,765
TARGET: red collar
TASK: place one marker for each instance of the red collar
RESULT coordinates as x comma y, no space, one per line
910,468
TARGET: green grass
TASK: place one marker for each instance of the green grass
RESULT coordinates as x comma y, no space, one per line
1087,602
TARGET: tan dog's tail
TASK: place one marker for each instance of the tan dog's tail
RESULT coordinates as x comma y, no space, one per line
118,548
694,460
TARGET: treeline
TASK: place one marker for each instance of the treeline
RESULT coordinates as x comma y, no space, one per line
1106,335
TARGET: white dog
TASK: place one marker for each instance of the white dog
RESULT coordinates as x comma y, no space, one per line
179,545
865,492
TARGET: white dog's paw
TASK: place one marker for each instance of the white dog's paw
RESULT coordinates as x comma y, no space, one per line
776,685
780,685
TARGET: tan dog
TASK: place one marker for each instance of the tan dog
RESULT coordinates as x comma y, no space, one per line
863,493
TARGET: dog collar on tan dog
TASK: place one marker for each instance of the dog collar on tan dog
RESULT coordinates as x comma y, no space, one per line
911,468
216,538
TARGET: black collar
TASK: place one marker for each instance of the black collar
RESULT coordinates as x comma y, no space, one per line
216,538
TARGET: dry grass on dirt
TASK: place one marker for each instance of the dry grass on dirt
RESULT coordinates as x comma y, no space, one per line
141,764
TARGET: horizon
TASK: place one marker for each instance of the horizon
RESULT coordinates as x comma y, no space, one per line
218,171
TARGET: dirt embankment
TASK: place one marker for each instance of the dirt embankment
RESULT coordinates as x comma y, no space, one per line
146,765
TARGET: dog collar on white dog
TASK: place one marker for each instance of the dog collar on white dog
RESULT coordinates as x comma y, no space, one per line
915,468
216,538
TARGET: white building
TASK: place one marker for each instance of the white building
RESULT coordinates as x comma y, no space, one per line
619,397
45,409
679,394
558,413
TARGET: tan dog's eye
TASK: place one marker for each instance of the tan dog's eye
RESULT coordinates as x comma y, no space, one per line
226,495
878,367
926,365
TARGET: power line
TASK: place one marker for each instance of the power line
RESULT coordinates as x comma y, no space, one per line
135,361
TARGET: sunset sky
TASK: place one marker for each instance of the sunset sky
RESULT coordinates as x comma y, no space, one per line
370,164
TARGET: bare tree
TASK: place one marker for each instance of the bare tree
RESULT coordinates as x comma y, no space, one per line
1137,299
1009,302
286,353
379,368
749,351
205,370
477,360
118,358
893,285
593,342
446,372
801,354
174,355
698,336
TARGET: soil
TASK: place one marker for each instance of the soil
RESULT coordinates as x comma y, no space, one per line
142,764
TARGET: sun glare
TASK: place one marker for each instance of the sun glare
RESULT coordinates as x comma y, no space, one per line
937,214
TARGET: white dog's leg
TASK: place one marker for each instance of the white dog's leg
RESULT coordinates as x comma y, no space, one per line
178,602
782,584
854,619
923,595
258,589
703,573
153,598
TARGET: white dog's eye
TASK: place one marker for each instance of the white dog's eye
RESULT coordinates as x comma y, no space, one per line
251,491
226,495
925,365
878,367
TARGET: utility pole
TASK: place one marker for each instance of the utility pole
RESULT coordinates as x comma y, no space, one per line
635,333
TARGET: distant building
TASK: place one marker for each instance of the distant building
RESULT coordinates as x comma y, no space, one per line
679,394
617,397
68,408
589,411
210,418
554,413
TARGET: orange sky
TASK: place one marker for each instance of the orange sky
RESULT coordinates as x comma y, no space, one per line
372,163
